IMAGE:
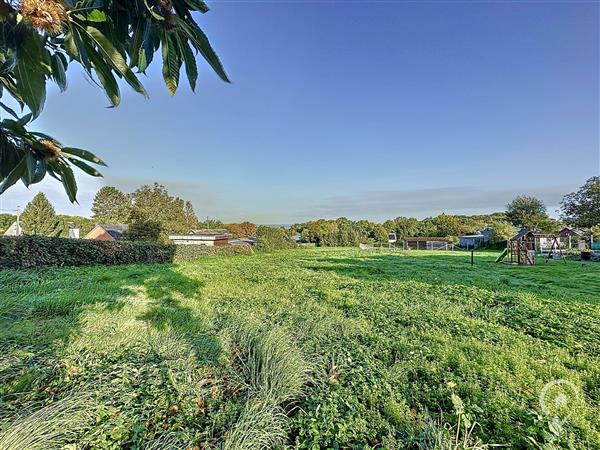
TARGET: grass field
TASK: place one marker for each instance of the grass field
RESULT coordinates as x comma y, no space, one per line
311,348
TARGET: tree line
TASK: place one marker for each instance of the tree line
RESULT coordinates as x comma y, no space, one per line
152,214
580,209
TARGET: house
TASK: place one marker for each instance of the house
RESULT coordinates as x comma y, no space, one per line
475,240
210,238
107,232
570,237
14,230
471,240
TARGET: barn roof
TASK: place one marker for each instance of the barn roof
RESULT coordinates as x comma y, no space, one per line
521,234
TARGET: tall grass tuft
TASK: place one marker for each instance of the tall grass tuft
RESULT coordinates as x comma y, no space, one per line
51,427
273,372
271,366
260,426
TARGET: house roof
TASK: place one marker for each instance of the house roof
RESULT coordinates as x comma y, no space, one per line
521,234
116,230
566,231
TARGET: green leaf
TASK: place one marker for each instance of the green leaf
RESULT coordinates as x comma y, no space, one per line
171,64
115,59
83,154
29,73
191,69
197,5
59,71
36,170
202,44
85,167
105,76
69,183
96,16
14,175
9,110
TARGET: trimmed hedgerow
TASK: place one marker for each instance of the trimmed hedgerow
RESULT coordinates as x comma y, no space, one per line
25,252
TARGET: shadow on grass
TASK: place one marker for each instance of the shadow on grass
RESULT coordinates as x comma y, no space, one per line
42,312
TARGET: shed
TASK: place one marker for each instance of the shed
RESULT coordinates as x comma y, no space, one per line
471,240
210,238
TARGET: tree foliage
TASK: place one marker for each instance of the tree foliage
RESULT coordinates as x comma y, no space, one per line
526,211
153,204
6,220
111,206
40,218
111,40
241,230
582,208
501,232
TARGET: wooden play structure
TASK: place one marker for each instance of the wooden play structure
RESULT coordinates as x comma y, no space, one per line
522,248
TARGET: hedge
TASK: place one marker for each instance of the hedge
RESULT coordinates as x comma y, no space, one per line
26,252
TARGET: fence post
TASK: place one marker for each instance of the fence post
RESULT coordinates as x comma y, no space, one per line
472,257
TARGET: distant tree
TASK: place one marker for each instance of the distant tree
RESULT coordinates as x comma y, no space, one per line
241,230
273,238
378,233
582,208
111,206
595,230
526,211
154,204
192,221
144,229
406,227
347,236
501,232
6,220
40,218
447,225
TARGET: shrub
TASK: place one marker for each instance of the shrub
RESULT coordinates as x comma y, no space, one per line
271,238
25,252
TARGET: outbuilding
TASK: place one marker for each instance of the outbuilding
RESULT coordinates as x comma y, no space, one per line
210,238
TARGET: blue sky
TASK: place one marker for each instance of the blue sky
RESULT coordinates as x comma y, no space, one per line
358,109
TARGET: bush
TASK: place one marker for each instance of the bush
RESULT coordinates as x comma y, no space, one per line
270,238
25,252
192,252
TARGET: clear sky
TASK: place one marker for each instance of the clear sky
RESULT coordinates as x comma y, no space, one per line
358,109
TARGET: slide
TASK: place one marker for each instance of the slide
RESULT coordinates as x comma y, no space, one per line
502,255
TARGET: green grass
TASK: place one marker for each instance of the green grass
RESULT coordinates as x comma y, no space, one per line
308,348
